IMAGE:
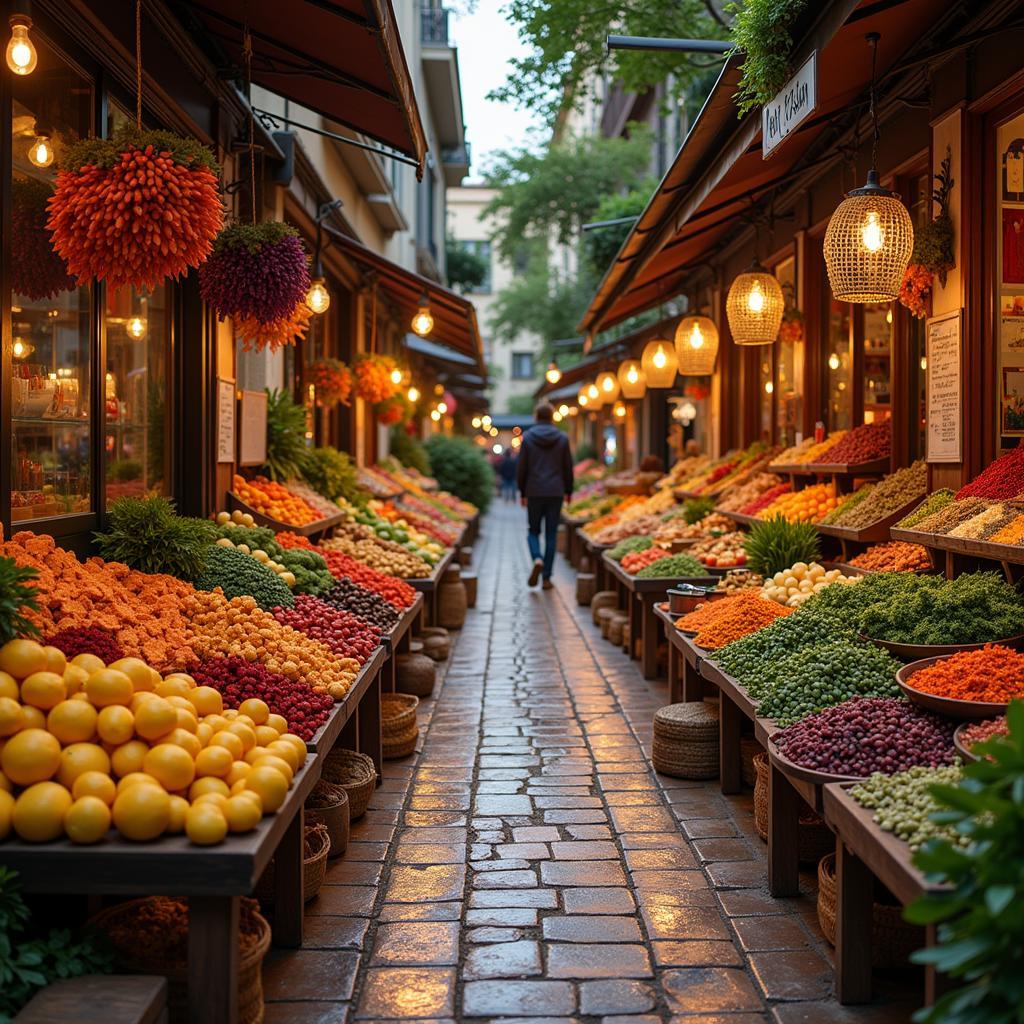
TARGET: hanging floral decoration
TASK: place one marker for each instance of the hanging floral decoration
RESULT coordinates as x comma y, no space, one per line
933,254
392,410
289,330
332,380
373,378
136,209
257,271
792,330
39,272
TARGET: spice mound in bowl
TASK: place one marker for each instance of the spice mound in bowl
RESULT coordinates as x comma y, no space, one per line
991,675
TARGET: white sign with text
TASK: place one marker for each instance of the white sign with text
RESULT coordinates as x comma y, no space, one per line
797,100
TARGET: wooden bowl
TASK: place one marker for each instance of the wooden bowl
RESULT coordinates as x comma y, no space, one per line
915,652
946,706
961,748
815,778
682,603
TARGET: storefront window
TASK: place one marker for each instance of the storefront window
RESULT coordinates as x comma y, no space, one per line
920,204
877,361
766,389
51,434
787,372
1010,275
838,367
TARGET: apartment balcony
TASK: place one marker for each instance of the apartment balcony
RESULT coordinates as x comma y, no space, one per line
434,26
444,94
455,161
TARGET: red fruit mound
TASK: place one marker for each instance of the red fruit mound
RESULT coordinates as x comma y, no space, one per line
344,633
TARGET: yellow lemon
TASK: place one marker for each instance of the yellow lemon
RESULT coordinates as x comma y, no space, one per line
155,718
87,820
94,784
108,686
6,813
242,815
128,757
270,785
207,784
172,766
205,824
9,686
30,756
89,662
79,758
56,660
206,699
43,690
72,721
38,814
12,716
20,658
142,812
214,760
256,709
136,670
277,722
179,808
115,724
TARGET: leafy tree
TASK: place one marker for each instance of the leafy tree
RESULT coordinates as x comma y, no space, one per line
520,405
567,51
602,244
466,269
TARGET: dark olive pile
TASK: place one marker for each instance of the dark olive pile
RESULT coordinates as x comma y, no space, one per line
866,735
364,604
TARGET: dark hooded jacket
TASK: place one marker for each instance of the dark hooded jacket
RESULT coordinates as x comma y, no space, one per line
544,467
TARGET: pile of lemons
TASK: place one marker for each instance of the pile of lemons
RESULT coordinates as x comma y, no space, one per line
86,746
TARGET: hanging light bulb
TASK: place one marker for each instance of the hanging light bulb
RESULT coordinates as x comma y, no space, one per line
563,410
21,349
888,316
435,415
553,374
556,416
608,385
924,362
582,400
21,53
318,298
413,395
396,376
833,361
486,421
754,307
619,410
423,322
632,379
769,387
659,363
593,396
442,407
476,422
136,328
696,344
40,153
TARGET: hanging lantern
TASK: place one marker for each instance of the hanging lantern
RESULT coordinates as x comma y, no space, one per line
583,399
754,307
632,379
619,410
552,374
660,363
608,385
594,397
696,346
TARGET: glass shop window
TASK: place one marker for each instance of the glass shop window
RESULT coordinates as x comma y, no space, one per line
51,318
1009,275
838,413
877,361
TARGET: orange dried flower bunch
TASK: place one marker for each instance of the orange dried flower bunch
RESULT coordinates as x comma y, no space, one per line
894,556
718,623
993,674
289,330
275,501
373,378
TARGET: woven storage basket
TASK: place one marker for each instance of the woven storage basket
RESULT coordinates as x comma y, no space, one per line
356,774
469,582
686,740
585,584
437,648
615,624
398,724
327,805
451,599
604,619
316,844
815,837
132,958
749,747
415,646
602,599
415,674
892,939
432,631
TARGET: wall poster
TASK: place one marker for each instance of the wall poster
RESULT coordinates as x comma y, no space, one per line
944,390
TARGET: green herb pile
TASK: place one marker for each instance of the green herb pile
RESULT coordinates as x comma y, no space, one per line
333,474
17,595
932,504
630,544
845,606
695,509
673,565
824,674
308,567
240,575
776,544
146,534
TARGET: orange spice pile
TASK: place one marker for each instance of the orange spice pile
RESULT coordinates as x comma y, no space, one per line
993,675
718,623
894,556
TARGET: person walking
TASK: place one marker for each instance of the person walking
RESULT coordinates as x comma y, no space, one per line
544,475
507,475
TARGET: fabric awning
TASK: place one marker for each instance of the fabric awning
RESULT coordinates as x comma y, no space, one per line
438,353
341,58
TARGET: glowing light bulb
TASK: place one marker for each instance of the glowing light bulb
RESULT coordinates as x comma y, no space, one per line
476,422
413,395
584,400
769,387
592,393
40,153
696,337
755,299
318,298
632,376
563,410
620,410
553,374
136,328
924,362
423,322
497,449
486,421
494,431
871,233
556,416
659,359
442,407
435,415
396,376
833,361
20,349
21,54
608,383
888,316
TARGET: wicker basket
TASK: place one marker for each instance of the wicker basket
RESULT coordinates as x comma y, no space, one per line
615,624
469,582
815,837
892,939
250,963
749,748
686,740
604,620
328,805
585,584
415,674
356,774
398,724
451,599
316,844
437,648
602,599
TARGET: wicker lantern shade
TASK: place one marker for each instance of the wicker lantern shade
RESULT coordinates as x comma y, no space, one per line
632,379
660,363
868,244
608,385
595,396
696,346
754,307
582,399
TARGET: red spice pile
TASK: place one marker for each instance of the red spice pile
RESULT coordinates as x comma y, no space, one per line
764,500
864,444
993,674
1003,479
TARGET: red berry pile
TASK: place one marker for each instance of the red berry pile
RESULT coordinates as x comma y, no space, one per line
237,680
346,634
1003,479
866,735
866,443
87,640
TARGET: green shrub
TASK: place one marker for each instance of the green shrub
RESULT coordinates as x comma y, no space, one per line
333,474
461,468
409,450
286,436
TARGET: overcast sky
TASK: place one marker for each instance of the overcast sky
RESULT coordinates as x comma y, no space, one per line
486,42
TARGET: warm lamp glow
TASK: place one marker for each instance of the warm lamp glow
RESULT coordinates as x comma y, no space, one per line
396,376
556,416
608,385
632,379
318,298
21,349
476,422
833,361
871,232
413,395
136,328
619,410
21,54
553,374
696,345
423,322
40,152
769,387
486,421
563,410
442,408
435,415
754,307
582,400
660,363
755,298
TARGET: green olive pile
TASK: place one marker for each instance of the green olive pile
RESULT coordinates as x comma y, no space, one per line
903,803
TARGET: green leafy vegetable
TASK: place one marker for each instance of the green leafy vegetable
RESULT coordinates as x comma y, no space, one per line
333,474
240,575
776,544
17,596
286,436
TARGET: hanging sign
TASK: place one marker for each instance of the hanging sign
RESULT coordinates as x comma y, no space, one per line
225,420
252,441
944,388
797,100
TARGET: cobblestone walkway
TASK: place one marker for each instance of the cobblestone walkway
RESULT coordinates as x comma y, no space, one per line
529,864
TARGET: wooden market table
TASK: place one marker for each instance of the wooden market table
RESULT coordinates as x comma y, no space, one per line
427,586
685,682
865,852
213,877
397,641
573,538
595,551
954,555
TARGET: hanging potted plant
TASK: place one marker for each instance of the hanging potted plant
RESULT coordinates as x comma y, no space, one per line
135,209
289,330
392,410
933,254
39,272
373,378
332,380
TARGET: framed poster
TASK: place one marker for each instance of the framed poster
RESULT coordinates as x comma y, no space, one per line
252,439
225,420
944,389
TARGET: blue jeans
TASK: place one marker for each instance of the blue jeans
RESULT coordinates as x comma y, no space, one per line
546,510
508,490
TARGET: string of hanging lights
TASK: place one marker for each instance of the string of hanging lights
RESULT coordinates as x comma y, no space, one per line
632,379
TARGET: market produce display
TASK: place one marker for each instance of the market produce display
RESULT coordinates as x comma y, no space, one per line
736,498
724,551
673,565
367,605
340,630
810,451
812,503
992,675
1002,480
866,735
882,499
238,574
893,556
383,555
711,525
275,501
935,502
800,582
637,560
979,732
302,569
717,623
121,746
776,543
86,640
951,515
865,443
903,804
630,544
612,533
736,580
766,500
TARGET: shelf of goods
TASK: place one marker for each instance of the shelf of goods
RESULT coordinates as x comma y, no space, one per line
875,533
428,586
948,552
308,530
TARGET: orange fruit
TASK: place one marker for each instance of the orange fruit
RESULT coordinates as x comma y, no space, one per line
38,814
108,686
87,820
278,763
217,799
187,720
244,732
238,789
43,690
206,699
22,657
289,752
79,758
179,808
184,739
154,718
72,721
56,661
232,742
74,679
94,784
239,770
204,733
270,785
242,815
9,686
135,779
208,784
6,785
128,757
299,744
265,735
115,724
136,670
12,717
172,766
33,718
142,812
214,760
215,722
171,687
30,756
205,824
6,813
89,662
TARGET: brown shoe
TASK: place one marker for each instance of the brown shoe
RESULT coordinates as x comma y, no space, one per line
538,568
548,585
